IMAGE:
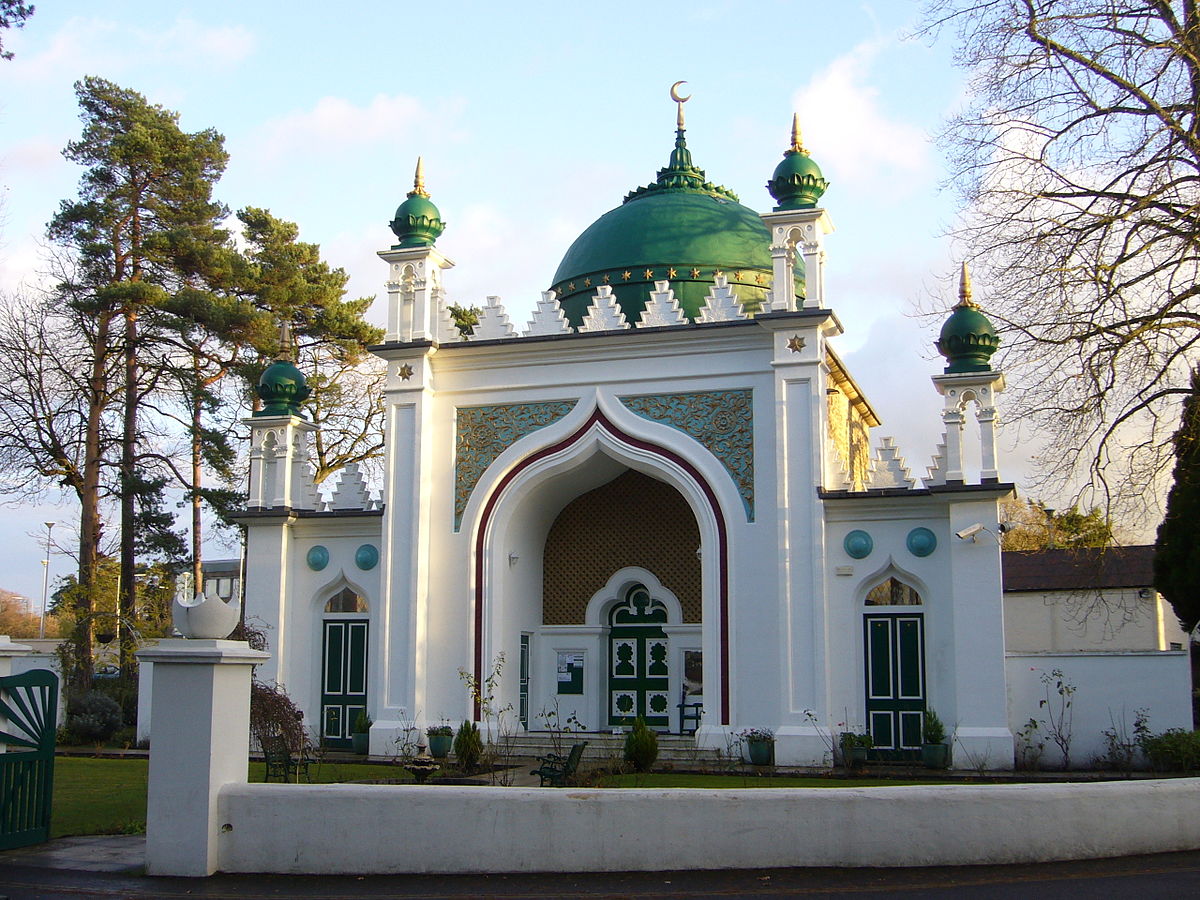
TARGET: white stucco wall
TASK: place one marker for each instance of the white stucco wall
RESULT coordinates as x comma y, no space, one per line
1117,619
368,829
1109,687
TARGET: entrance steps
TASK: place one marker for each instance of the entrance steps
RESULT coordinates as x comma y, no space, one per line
673,748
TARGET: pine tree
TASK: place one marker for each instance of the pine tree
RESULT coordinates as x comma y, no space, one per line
1177,550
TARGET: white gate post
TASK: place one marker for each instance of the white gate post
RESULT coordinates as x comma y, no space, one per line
200,708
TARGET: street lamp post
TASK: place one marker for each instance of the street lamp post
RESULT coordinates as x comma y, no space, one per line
45,580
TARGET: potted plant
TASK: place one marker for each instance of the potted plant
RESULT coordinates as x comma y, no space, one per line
361,732
935,752
760,745
855,745
441,737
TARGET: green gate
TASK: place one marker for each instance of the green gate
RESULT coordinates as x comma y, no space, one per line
28,720
895,660
638,679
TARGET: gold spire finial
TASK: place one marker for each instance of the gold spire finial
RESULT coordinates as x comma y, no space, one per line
285,340
679,102
964,286
419,180
797,143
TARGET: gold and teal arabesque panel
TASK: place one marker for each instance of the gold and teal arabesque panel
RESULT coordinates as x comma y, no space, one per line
722,421
484,432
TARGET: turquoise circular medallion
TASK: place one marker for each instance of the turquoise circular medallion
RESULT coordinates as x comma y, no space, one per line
858,544
366,557
317,558
921,542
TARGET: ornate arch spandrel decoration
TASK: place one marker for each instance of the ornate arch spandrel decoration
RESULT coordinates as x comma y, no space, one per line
481,433
334,588
721,421
882,577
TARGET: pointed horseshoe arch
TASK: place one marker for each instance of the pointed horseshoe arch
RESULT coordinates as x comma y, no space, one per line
599,420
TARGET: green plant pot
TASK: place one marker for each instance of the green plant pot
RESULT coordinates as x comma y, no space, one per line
439,745
761,753
360,740
935,756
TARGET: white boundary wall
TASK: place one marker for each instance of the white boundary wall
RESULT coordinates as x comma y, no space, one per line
1109,687
368,829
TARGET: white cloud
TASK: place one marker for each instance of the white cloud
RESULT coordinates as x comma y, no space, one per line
337,123
98,45
856,142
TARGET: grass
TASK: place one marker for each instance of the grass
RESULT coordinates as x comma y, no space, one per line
108,796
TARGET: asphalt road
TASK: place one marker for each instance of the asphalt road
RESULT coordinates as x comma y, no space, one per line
1170,875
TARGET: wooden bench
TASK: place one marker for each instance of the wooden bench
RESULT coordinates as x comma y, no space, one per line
557,769
281,762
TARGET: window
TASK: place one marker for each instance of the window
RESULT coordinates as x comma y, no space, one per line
893,593
346,602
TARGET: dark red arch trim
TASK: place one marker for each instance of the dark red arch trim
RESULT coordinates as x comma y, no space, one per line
598,418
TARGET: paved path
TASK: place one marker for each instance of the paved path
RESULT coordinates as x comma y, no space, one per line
111,867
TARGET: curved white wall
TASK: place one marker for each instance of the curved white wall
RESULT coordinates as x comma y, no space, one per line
367,829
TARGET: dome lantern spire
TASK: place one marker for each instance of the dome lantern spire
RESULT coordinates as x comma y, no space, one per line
418,223
797,182
967,339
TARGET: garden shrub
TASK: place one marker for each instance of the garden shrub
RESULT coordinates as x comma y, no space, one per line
641,747
124,690
273,713
468,747
1174,750
94,717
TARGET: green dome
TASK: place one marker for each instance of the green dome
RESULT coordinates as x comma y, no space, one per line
967,339
681,229
797,182
417,223
282,388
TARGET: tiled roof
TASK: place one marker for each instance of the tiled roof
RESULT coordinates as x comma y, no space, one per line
1069,570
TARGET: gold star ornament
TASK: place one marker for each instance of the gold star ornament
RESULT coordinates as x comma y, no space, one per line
796,343
405,372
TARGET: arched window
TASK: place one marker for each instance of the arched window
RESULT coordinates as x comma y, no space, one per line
346,601
893,592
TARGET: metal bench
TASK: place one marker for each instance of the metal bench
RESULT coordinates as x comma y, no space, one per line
557,769
282,762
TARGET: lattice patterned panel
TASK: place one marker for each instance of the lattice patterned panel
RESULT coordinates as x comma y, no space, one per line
633,520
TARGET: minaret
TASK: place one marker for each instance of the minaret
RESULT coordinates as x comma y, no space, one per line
967,341
798,226
415,280
280,437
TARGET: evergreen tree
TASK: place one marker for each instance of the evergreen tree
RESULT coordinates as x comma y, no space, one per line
1177,550
143,228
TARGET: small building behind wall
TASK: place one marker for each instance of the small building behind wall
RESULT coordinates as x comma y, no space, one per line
1093,615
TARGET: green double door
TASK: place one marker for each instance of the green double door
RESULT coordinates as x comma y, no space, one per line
343,678
895,681
638,673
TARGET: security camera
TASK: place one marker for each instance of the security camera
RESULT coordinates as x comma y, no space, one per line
968,533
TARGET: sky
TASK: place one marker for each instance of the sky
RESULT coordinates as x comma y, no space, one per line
533,119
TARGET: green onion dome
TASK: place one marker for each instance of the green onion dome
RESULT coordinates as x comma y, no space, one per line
282,388
682,229
797,182
967,339
418,222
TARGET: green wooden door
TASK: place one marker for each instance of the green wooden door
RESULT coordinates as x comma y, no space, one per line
895,681
28,722
638,674
343,679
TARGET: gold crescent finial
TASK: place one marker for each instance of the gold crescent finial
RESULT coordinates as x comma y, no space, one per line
419,179
680,101
964,286
797,143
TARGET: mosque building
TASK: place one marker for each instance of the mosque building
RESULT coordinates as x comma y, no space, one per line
658,500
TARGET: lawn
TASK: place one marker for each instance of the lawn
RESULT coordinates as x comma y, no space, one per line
108,796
